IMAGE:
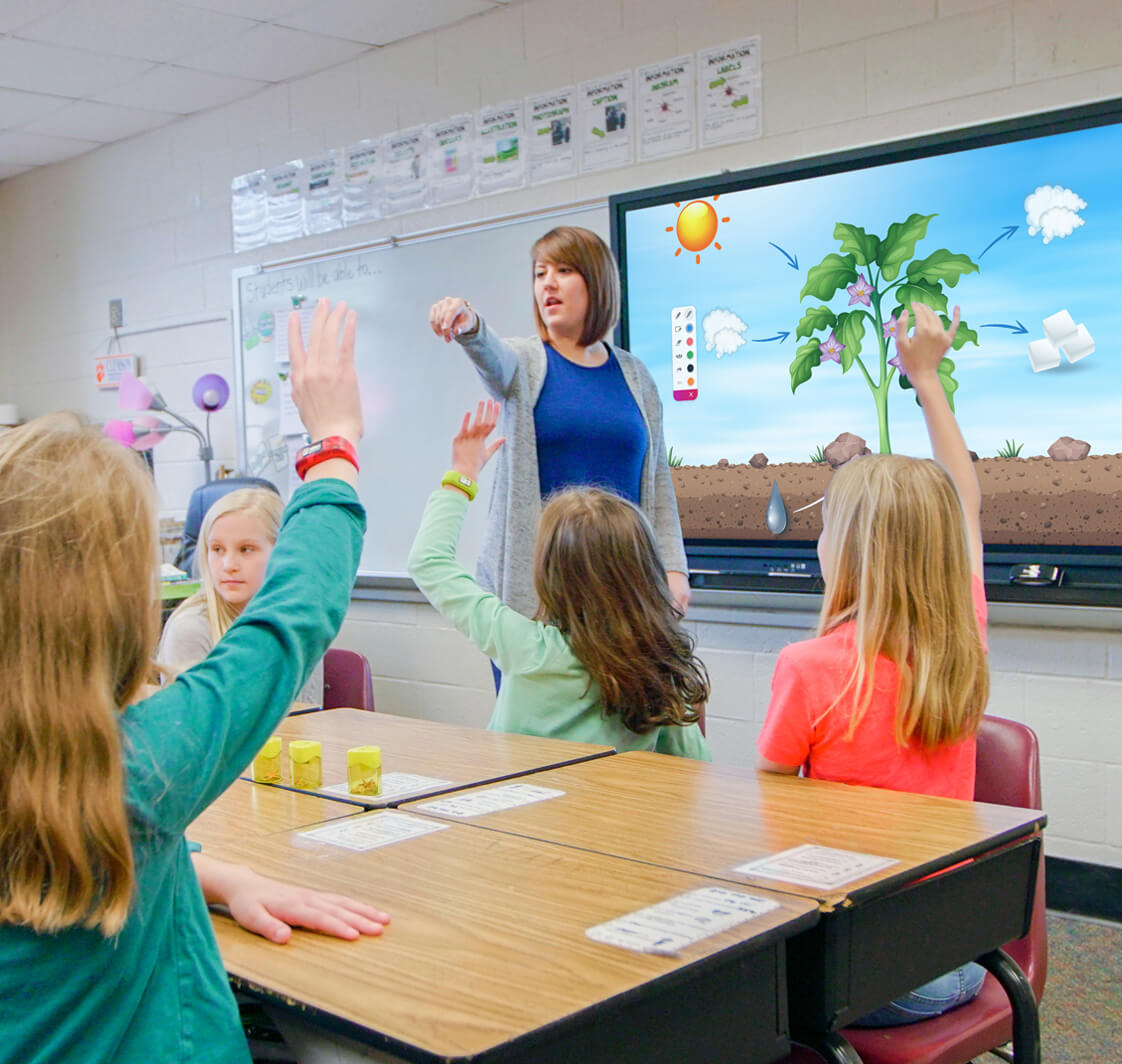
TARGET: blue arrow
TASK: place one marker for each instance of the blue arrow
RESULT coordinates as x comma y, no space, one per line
792,260
1006,233
1018,329
780,336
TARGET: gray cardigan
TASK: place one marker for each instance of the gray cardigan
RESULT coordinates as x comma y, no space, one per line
513,371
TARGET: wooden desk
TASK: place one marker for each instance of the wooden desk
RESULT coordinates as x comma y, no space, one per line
881,935
247,810
461,756
487,957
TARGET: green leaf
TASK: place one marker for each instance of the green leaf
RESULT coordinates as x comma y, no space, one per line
831,274
946,379
965,334
814,319
941,265
900,244
930,294
806,358
863,246
850,330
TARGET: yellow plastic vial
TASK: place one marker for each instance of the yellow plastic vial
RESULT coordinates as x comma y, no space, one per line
306,762
364,770
266,765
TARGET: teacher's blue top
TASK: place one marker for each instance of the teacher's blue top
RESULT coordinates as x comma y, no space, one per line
590,430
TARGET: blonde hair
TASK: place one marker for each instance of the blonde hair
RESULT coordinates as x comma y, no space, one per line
600,581
261,503
585,252
79,617
900,569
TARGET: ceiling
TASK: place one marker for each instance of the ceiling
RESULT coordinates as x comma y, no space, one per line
76,74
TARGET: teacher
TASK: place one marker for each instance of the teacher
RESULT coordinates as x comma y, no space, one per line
575,412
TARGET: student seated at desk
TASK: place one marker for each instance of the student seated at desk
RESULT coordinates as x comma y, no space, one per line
607,659
236,540
892,690
106,948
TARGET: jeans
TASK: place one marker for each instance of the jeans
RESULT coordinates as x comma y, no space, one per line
932,999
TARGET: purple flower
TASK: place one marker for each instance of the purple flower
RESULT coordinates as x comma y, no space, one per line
831,350
859,292
895,361
889,327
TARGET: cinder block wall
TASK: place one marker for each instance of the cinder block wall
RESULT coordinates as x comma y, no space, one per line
147,220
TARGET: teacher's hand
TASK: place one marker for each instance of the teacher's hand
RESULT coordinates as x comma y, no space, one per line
679,590
451,317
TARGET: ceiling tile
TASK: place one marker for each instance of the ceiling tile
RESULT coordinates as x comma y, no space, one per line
173,88
98,121
62,71
19,107
156,30
382,21
274,53
16,14
11,169
36,150
260,10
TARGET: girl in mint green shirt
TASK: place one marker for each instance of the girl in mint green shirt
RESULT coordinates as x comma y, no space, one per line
606,659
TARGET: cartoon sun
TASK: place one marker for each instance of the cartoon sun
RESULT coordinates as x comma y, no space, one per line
696,228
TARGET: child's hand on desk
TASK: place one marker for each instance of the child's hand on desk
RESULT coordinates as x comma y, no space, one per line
270,908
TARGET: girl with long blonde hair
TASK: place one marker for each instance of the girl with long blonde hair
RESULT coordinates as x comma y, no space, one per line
606,659
106,949
891,691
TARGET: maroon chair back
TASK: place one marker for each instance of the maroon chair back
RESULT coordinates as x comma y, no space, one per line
1007,773
347,681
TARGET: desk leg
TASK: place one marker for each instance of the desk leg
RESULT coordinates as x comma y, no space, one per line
1026,1016
829,1045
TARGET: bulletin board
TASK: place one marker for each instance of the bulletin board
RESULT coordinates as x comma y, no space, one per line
415,388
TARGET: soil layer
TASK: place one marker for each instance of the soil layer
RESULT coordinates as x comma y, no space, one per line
1035,500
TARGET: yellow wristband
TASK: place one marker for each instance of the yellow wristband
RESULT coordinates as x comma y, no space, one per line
456,479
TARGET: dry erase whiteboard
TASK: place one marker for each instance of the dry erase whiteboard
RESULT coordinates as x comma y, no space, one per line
415,388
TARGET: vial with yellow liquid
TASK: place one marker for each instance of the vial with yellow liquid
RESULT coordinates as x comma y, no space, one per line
364,770
267,763
306,763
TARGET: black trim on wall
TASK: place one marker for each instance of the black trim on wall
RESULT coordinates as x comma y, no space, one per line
1083,888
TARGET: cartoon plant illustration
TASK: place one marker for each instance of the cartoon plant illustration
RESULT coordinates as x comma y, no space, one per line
1012,449
819,455
673,460
868,271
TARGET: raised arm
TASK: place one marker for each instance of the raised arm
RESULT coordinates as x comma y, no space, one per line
920,355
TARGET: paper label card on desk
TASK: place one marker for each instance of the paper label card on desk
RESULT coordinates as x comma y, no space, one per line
672,925
394,785
816,866
493,801
372,830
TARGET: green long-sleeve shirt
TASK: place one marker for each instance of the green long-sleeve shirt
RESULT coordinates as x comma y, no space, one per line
545,689
157,991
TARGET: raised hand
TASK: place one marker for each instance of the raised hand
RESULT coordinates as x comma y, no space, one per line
324,381
470,449
451,317
924,349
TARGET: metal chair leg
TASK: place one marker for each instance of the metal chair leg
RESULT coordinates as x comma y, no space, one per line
829,1045
1026,1017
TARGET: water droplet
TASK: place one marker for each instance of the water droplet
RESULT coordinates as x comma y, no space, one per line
776,511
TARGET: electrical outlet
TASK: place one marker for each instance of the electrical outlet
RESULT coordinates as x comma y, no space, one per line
116,313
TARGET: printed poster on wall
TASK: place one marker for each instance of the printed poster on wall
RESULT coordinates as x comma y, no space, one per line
362,184
499,152
606,122
323,197
404,174
284,188
665,101
451,159
549,123
729,90
249,211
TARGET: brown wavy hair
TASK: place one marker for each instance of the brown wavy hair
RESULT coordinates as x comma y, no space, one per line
79,618
585,252
600,581
899,567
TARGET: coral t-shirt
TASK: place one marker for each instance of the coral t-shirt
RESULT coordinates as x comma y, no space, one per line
807,679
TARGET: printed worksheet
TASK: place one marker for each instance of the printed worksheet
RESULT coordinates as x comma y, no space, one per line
550,117
665,100
606,123
394,785
819,867
729,88
480,803
371,830
678,922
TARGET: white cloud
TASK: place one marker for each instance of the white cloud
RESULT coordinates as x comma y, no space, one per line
1053,211
724,332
